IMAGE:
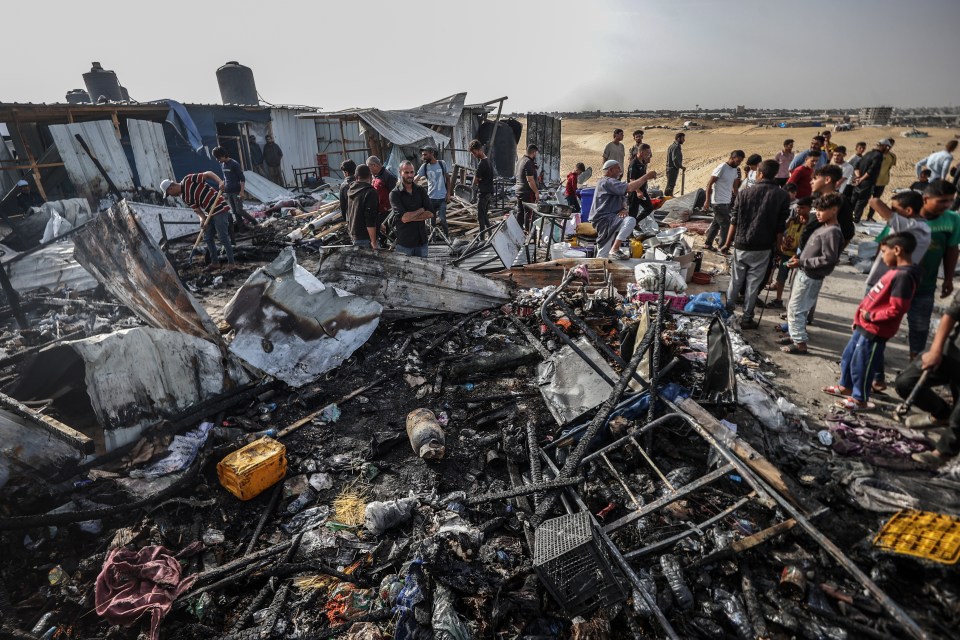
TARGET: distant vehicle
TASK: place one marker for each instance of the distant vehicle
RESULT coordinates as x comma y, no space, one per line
845,126
914,133
690,124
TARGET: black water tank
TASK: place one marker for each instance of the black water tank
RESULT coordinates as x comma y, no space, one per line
78,96
236,84
102,83
124,94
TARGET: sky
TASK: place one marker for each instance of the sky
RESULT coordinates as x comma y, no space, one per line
561,55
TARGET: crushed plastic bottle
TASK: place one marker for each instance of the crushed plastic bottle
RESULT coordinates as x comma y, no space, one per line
825,437
674,577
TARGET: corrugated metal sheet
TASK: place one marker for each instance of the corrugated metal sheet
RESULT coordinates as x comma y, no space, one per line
101,137
179,222
150,153
444,112
333,135
298,139
264,190
400,129
544,131
50,268
463,133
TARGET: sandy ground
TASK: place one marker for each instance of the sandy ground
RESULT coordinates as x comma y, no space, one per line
804,376
584,140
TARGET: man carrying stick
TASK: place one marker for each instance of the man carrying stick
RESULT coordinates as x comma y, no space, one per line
210,206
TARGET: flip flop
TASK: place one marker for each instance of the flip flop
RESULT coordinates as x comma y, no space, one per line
850,404
835,390
794,349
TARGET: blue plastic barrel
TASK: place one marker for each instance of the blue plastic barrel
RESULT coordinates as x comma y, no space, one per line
586,202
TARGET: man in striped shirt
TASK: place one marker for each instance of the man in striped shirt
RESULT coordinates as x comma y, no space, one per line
207,203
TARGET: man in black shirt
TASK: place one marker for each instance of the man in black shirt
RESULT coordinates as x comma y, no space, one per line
867,172
411,207
483,180
348,167
640,199
526,187
234,186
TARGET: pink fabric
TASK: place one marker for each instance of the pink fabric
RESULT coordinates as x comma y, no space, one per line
137,583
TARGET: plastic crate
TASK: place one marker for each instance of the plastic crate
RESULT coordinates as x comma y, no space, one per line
923,534
573,565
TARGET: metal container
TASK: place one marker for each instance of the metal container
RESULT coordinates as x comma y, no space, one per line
236,84
102,84
249,471
78,96
426,435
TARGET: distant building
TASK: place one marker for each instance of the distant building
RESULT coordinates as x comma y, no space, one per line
741,110
876,115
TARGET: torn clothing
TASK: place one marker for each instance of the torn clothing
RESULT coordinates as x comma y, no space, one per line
137,583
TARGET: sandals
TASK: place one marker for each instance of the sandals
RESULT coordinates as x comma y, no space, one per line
851,404
794,349
835,390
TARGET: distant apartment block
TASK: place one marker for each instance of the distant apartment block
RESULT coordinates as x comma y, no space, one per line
876,115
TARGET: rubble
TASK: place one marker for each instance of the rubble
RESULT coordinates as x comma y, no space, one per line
338,442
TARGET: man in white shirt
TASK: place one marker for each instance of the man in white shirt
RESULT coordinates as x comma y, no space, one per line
839,159
721,192
614,149
939,162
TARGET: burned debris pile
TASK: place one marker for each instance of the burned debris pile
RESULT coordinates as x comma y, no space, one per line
415,451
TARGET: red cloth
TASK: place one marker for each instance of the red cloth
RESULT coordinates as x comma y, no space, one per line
571,188
383,195
802,176
136,583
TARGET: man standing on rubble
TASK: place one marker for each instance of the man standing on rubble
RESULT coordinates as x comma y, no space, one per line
256,155
27,198
757,221
721,191
614,149
865,177
483,182
384,182
674,162
348,167
610,216
526,187
363,210
411,208
210,206
439,184
640,204
273,157
234,186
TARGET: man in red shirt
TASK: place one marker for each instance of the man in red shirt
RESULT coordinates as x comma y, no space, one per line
802,176
570,191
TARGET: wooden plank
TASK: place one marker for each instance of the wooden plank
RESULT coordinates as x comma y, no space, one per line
783,484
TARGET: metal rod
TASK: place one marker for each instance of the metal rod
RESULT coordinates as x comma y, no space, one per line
655,359
623,483
525,490
895,611
694,528
622,441
536,472
648,599
96,163
702,481
652,465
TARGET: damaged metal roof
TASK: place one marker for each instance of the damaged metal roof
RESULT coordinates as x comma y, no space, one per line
102,139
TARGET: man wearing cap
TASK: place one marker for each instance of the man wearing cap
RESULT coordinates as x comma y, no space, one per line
865,177
27,198
272,157
384,182
210,206
610,216
439,184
